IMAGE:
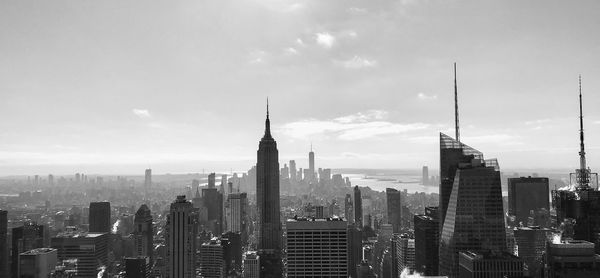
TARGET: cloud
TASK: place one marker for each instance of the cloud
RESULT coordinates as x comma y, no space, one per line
357,11
291,51
358,63
537,122
142,113
425,97
325,40
357,126
257,57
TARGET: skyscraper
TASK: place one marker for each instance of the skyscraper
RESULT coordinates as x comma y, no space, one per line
475,216
580,202
267,201
571,258
358,210
251,265
531,243
213,203
89,249
348,209
27,237
99,217
293,170
394,208
425,176
37,263
147,179
527,194
211,180
181,240
237,214
311,164
211,259
489,265
143,232
317,248
427,238
3,243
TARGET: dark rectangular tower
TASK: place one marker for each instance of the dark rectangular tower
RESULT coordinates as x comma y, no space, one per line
267,201
394,208
358,208
526,194
99,217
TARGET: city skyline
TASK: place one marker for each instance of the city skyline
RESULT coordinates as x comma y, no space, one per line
80,95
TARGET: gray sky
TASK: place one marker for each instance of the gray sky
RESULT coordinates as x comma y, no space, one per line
117,86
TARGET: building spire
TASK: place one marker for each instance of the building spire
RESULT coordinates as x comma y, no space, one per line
267,123
582,164
456,126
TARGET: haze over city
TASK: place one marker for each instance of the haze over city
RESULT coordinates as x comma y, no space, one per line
116,87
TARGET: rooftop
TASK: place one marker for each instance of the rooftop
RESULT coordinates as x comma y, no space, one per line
39,251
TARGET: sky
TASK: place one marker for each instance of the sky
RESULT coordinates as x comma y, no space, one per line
181,86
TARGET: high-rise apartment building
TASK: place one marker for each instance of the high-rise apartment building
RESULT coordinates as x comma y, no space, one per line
99,217
427,238
403,253
211,259
293,170
89,249
37,263
475,215
355,249
394,208
527,194
212,180
143,232
317,247
267,201
27,237
531,245
311,165
237,207
180,235
349,209
251,268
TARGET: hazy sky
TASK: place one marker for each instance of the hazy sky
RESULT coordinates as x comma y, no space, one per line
180,86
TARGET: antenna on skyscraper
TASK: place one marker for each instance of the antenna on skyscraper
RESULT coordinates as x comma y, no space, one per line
267,107
456,107
581,144
583,175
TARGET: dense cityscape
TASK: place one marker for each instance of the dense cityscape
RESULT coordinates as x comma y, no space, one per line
288,221
299,139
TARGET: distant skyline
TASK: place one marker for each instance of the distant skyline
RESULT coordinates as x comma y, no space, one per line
113,87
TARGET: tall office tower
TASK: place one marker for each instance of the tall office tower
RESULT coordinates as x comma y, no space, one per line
180,235
358,209
526,195
285,172
89,249
37,263
148,179
404,253
489,265
580,203
223,180
355,254
237,216
348,209
251,267
213,202
475,216
452,152
211,259
531,245
267,201
293,170
137,267
99,217
571,258
427,238
425,176
232,253
50,180
3,243
317,248
311,165
27,237
394,208
143,232
211,180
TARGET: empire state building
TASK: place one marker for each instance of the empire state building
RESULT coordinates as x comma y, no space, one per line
267,199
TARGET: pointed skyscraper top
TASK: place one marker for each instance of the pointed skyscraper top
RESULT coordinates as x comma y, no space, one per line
267,124
456,107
